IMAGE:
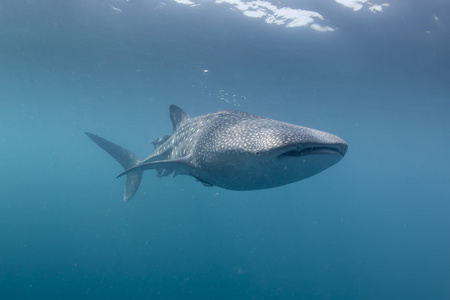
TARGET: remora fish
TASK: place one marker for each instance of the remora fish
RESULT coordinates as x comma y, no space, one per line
233,150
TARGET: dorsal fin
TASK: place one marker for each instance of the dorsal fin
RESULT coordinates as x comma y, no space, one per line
177,116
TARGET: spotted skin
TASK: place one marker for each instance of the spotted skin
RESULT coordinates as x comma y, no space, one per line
238,151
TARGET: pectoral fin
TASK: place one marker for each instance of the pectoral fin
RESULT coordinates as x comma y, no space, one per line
183,165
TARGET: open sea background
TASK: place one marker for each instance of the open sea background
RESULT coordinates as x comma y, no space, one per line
375,226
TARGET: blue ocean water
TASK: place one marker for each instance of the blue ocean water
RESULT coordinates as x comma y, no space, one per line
375,226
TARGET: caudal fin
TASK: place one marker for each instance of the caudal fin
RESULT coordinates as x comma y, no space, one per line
126,158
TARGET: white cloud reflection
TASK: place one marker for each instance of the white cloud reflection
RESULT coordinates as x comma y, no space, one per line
359,4
378,7
353,4
286,16
272,14
188,2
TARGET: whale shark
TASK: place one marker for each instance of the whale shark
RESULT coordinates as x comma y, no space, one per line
231,149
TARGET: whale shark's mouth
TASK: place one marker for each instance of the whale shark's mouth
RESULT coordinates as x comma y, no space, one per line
338,150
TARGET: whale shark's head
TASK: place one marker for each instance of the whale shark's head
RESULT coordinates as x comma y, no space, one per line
263,153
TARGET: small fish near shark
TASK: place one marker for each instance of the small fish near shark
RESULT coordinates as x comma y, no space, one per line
231,149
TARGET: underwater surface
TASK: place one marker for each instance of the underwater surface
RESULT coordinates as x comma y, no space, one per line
374,226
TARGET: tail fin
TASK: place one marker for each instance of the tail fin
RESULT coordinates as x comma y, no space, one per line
126,158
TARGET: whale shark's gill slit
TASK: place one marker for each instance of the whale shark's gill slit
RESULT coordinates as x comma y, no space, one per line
310,150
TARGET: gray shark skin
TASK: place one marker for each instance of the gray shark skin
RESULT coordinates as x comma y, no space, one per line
233,150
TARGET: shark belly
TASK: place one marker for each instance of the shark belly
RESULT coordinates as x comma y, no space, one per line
245,174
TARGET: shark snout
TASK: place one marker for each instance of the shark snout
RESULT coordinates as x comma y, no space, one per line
339,148
342,148
326,144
